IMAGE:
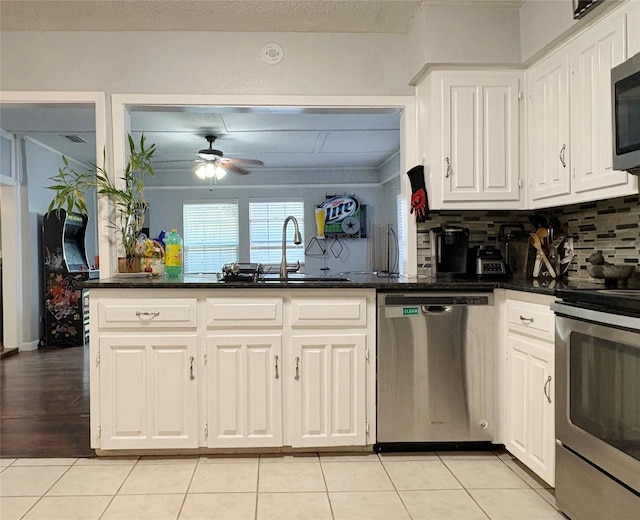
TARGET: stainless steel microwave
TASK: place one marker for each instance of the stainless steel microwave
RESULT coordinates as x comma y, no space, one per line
625,91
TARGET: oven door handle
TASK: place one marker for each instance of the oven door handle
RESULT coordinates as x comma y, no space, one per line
547,389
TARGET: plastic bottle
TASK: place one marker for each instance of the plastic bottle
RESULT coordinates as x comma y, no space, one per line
173,255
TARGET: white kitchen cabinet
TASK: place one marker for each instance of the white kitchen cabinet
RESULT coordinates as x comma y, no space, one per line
244,378
327,389
148,390
470,127
548,143
289,370
529,383
633,34
192,368
569,125
593,55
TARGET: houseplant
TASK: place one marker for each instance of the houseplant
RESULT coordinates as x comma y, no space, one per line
127,196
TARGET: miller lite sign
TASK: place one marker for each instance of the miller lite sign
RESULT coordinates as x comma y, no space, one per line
340,207
344,217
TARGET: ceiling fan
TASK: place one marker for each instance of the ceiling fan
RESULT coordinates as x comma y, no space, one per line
213,163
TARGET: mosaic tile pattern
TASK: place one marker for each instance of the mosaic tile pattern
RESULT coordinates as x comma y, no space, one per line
610,226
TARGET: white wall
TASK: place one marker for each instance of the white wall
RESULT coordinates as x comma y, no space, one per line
204,63
545,22
166,213
465,34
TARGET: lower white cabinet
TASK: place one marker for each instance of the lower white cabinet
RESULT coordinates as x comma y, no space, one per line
148,391
327,397
237,368
530,405
529,386
284,381
244,378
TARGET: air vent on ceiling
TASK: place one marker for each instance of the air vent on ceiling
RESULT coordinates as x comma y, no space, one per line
75,138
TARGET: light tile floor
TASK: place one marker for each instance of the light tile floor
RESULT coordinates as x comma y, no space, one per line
433,486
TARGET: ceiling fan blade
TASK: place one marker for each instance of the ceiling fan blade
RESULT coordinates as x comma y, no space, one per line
252,162
174,161
235,169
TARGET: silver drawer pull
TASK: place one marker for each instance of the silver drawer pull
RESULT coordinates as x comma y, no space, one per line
151,315
191,376
529,320
547,393
297,369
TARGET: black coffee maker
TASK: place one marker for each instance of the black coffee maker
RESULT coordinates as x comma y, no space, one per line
449,249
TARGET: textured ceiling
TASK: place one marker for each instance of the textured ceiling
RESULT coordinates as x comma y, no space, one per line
353,16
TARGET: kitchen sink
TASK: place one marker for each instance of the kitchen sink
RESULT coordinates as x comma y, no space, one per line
300,278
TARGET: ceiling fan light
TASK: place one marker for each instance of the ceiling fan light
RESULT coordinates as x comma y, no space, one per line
209,170
220,172
200,172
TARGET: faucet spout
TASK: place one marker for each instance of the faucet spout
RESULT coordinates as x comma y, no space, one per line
297,239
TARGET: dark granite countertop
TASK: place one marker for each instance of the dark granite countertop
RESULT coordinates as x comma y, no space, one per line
381,282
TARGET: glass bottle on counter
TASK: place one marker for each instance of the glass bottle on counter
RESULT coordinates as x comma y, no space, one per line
173,255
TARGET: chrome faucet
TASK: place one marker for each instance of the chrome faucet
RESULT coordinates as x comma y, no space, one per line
297,239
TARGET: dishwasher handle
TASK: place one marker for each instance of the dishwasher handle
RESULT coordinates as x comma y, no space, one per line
436,309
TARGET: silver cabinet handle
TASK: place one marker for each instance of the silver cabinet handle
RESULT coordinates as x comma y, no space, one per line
151,315
447,173
547,389
191,376
562,150
529,320
297,369
276,361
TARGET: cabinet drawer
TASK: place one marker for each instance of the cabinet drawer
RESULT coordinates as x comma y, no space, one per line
244,312
534,318
311,312
151,313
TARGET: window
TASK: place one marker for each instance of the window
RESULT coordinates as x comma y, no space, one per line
266,218
210,236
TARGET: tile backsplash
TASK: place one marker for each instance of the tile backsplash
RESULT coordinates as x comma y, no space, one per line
611,226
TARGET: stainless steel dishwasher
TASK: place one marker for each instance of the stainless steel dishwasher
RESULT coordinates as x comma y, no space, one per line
436,354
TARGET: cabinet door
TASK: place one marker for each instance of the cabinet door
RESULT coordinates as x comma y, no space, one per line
633,20
530,425
480,137
148,391
326,390
548,127
244,375
593,55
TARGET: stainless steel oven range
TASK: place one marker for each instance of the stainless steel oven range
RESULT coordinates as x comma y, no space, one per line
598,403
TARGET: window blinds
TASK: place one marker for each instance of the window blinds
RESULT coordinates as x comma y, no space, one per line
266,218
210,236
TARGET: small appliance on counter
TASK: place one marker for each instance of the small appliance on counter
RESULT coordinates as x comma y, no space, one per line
488,261
449,249
518,253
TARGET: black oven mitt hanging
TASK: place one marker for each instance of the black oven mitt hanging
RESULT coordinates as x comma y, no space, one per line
419,202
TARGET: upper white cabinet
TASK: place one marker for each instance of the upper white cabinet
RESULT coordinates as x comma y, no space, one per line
593,55
633,22
548,128
569,127
470,127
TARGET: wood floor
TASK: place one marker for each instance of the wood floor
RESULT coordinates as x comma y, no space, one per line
44,404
